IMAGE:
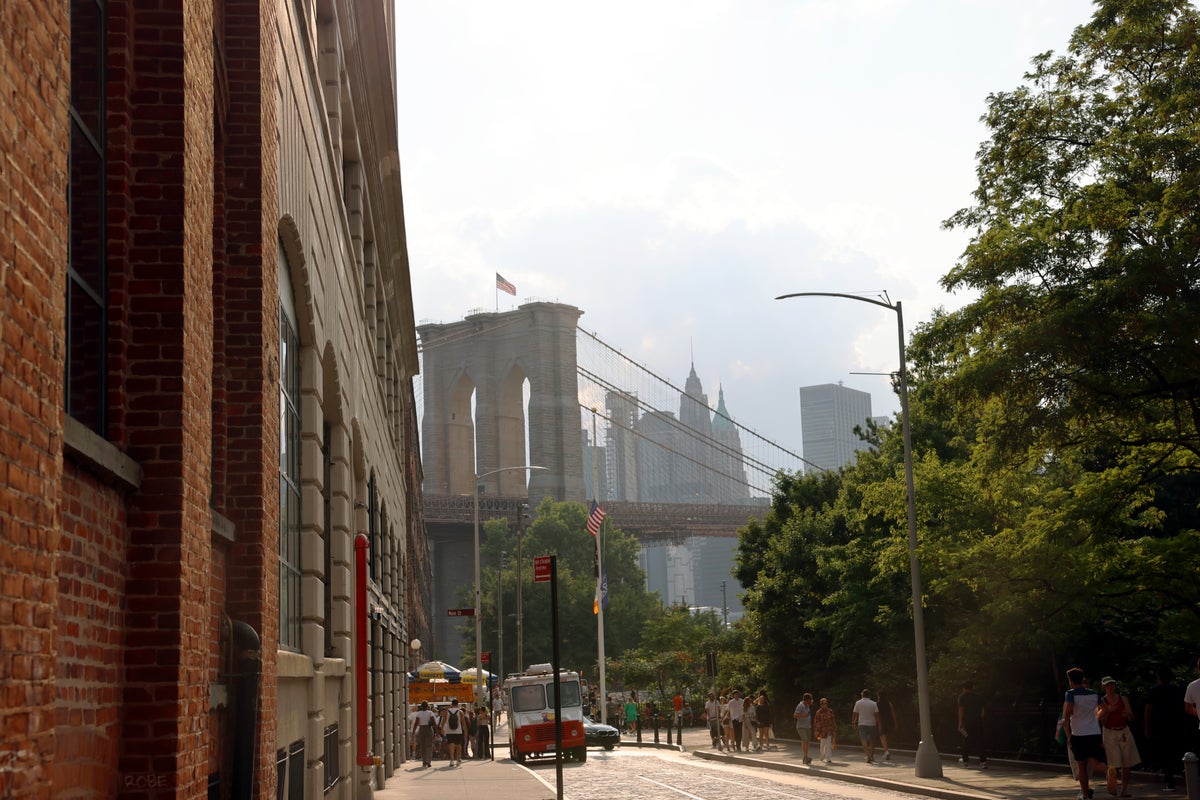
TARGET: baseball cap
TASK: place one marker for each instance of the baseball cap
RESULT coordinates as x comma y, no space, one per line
1107,679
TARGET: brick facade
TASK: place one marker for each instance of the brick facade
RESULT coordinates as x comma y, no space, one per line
139,577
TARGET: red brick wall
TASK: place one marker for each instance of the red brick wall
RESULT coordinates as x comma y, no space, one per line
91,582
34,90
251,344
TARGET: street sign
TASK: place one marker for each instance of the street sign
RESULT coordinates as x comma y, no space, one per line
541,569
485,657
460,612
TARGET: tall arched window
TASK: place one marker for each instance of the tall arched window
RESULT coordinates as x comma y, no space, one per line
289,462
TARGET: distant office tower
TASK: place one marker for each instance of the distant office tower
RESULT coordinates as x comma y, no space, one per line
727,459
597,467
829,413
620,439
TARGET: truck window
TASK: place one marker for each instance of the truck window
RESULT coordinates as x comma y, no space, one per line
529,698
569,694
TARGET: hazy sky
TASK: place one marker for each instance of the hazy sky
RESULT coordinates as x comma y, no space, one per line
671,167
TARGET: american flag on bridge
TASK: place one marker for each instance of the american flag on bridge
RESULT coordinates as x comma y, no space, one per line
504,285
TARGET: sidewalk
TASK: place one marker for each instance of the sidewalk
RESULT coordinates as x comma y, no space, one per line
1003,780
1015,780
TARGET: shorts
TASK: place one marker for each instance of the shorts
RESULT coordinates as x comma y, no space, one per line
866,733
1119,748
1085,747
454,738
805,732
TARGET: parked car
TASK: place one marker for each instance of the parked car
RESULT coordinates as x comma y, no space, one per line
597,733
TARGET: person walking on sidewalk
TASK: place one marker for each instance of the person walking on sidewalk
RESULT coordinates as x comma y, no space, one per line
1082,728
763,721
424,722
887,723
454,724
972,714
866,718
825,729
804,724
712,713
1115,713
1164,726
736,714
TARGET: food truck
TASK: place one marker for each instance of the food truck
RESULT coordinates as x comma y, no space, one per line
529,697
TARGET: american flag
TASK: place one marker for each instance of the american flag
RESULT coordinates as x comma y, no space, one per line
504,285
595,517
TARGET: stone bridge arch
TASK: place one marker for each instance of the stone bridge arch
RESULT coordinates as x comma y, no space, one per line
489,356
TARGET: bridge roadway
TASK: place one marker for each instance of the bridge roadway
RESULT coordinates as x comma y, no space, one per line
648,522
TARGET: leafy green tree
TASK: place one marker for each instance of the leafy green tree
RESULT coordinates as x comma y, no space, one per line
671,657
559,528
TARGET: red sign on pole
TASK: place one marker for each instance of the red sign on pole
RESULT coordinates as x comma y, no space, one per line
541,569
460,612
485,657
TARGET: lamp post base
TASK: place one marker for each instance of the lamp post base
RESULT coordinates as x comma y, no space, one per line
929,762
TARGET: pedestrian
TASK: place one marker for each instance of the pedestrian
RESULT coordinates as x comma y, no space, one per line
424,722
825,729
1082,728
727,737
762,721
454,723
612,714
1191,702
887,723
712,713
972,713
677,704
483,741
736,718
1120,751
1164,726
866,717
471,741
749,722
631,713
804,724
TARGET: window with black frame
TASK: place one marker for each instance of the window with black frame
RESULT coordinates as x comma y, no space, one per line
86,373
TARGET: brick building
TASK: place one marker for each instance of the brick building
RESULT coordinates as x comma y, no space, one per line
206,396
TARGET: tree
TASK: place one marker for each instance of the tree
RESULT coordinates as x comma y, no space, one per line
1086,241
559,528
671,657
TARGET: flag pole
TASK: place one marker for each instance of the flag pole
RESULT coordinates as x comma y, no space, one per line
602,698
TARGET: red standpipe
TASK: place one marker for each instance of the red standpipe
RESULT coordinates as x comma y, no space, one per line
362,709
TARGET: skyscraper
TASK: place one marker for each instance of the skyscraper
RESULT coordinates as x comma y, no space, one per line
829,413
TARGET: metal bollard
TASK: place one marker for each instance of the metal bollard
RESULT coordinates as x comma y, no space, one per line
656,728
1191,774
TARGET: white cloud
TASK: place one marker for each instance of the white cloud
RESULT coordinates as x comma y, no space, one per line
670,167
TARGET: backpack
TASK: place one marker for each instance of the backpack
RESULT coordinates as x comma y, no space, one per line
453,720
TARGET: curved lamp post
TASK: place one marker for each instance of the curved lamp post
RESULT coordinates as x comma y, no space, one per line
929,764
479,692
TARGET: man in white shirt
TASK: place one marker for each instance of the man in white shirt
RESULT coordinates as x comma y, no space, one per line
866,717
424,721
736,713
712,711
1082,728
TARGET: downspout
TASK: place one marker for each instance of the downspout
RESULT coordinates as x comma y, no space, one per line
361,709
248,652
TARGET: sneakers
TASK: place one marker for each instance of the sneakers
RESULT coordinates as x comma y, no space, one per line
983,765
887,755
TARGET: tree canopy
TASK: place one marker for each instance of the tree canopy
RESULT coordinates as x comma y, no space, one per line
1055,416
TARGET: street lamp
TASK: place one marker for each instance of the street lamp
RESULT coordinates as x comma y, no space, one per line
479,695
929,764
